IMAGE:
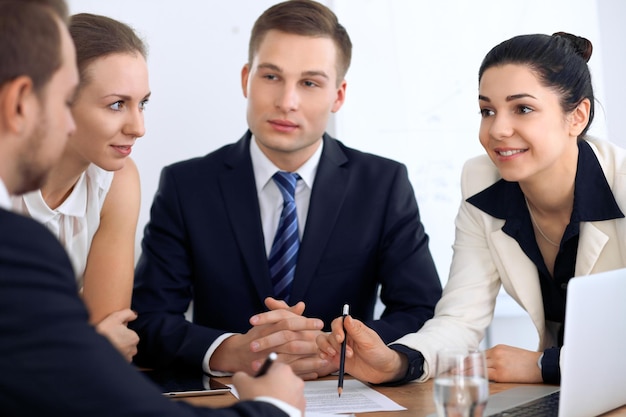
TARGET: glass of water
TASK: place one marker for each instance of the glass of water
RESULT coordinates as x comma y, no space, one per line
461,383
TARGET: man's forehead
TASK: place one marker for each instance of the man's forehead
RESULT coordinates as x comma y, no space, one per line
291,52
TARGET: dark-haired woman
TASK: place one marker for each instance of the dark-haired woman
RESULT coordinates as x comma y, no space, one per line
543,205
91,198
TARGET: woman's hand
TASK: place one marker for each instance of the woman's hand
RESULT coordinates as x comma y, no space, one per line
511,364
115,328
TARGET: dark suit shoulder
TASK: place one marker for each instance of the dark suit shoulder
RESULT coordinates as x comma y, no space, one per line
19,233
228,155
200,162
187,176
26,245
363,168
9,219
361,157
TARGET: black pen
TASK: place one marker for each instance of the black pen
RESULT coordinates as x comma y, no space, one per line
266,365
342,357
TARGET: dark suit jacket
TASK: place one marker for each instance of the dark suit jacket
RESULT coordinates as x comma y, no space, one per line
204,242
52,363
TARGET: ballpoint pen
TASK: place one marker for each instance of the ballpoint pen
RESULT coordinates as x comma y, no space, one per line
266,365
342,357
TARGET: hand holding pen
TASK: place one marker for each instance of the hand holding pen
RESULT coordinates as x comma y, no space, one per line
266,365
342,360
274,379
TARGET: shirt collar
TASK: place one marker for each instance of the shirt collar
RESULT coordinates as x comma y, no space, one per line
75,204
593,198
264,169
5,200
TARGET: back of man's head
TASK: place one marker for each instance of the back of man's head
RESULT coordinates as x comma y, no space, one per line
30,41
58,7
36,84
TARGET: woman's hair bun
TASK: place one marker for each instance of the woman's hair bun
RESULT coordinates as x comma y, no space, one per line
583,46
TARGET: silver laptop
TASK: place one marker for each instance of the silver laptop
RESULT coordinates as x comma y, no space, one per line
593,360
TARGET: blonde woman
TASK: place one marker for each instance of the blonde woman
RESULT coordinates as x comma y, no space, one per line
91,198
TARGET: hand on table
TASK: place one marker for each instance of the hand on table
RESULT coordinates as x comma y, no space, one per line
279,382
511,364
283,330
367,356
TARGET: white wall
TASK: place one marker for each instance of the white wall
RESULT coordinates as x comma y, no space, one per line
412,87
611,15
414,82
196,51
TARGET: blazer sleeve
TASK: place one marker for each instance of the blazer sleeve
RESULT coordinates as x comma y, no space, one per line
410,285
163,286
468,301
53,363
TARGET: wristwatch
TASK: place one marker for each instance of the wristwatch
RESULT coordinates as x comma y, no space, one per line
539,362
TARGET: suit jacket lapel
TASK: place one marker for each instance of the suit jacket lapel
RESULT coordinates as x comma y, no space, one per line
242,206
327,198
590,245
521,280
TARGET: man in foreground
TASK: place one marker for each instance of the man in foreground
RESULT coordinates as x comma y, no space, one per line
53,362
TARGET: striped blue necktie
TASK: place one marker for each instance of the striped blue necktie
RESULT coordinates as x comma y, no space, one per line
284,253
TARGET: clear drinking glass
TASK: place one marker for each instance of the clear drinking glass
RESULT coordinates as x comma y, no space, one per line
461,383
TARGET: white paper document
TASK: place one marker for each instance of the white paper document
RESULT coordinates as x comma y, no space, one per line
322,399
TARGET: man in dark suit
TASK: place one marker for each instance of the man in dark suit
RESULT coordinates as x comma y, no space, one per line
52,362
354,225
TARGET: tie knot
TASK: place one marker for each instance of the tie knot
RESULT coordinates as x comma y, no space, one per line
286,182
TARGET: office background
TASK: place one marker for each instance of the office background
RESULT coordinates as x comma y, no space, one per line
412,89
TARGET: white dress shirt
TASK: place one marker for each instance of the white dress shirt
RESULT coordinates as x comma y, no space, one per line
287,408
5,200
270,198
76,221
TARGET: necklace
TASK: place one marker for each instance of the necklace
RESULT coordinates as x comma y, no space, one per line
532,219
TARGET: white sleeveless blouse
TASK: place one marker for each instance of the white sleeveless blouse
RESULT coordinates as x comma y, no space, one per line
77,219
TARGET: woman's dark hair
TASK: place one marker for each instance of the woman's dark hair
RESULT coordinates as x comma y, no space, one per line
560,62
97,36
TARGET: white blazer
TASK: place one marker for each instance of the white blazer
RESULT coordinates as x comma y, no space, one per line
486,258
